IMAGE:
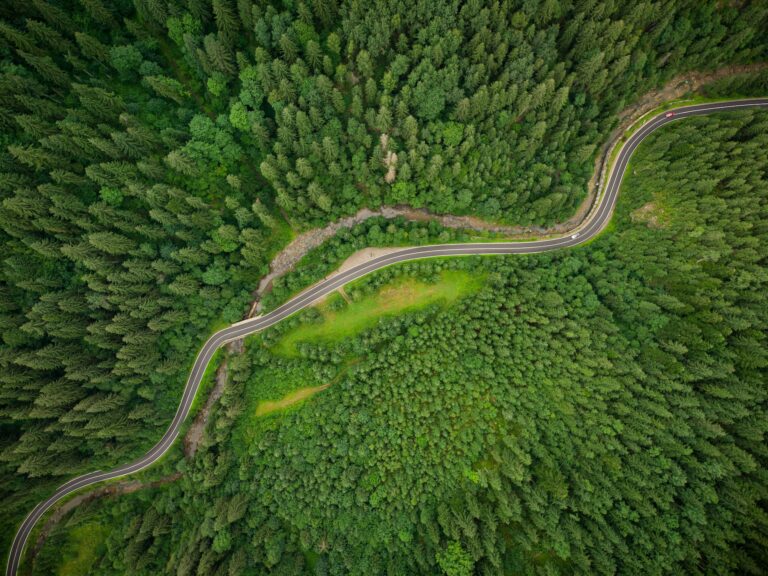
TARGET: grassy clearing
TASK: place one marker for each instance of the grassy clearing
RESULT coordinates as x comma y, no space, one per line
84,543
269,406
400,296
272,386
300,393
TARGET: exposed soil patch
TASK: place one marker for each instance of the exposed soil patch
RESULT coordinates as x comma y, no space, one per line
361,257
650,214
389,158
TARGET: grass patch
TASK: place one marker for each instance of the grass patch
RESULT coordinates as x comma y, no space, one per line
400,296
271,385
269,406
298,395
84,545
281,234
275,391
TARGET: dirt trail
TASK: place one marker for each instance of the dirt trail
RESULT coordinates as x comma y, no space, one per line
288,257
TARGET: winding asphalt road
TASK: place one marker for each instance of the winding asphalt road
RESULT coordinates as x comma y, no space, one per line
596,220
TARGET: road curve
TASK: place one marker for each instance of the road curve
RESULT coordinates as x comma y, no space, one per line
597,218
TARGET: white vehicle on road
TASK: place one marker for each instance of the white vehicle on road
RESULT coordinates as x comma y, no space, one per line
574,236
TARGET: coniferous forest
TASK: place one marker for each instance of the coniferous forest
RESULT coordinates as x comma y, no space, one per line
596,411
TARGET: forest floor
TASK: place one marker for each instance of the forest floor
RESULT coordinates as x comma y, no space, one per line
653,214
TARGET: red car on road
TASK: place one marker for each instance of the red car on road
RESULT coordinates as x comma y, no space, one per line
669,114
